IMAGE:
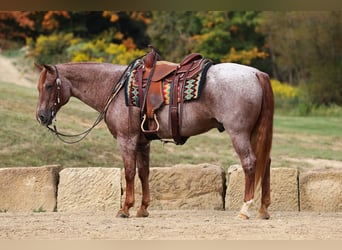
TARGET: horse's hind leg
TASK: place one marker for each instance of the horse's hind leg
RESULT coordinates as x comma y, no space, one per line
143,159
242,145
265,193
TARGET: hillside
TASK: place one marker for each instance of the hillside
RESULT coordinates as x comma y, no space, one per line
9,72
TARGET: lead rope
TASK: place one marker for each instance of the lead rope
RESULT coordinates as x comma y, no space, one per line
100,117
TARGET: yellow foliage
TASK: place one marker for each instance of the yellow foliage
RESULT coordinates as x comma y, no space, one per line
284,90
199,38
115,49
100,51
121,55
54,42
244,56
80,57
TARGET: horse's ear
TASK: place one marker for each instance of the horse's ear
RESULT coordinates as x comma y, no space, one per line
49,68
38,66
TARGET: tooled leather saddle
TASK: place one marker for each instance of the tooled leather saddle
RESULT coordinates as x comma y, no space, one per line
153,83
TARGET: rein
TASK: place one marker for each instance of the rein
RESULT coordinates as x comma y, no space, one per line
62,136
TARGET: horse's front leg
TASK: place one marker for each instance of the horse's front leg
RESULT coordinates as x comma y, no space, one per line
128,151
143,160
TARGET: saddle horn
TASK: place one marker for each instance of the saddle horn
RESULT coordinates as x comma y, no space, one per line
151,57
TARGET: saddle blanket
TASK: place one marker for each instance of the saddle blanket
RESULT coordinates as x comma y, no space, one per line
191,88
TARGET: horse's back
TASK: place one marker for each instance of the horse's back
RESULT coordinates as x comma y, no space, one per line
233,94
232,81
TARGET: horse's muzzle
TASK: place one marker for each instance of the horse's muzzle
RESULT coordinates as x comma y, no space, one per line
44,117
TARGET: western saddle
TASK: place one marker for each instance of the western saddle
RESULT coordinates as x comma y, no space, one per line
149,78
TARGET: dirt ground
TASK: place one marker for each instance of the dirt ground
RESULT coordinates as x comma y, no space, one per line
10,73
171,225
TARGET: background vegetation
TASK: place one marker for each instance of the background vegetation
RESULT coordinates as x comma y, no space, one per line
300,49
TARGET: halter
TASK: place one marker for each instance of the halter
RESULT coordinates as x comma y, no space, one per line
117,87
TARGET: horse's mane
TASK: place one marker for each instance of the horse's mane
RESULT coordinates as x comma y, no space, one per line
89,63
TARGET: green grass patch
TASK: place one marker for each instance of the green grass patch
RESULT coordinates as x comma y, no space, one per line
25,143
308,137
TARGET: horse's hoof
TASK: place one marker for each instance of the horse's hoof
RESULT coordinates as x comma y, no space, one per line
142,213
263,213
263,216
121,214
243,216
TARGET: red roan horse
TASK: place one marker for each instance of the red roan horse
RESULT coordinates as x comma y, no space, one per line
235,97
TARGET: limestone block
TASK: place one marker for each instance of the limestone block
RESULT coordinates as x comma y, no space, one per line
28,189
321,190
284,189
235,187
89,189
184,187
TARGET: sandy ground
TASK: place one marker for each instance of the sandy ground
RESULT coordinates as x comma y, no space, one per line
172,224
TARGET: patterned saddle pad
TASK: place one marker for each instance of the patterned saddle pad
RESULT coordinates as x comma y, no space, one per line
191,88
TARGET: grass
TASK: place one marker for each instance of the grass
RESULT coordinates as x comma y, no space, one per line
25,143
308,137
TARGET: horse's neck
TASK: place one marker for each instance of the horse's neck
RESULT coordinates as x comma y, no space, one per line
92,83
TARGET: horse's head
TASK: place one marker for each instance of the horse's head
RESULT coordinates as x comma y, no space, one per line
54,92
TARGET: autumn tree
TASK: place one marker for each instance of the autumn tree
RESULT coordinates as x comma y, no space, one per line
66,36
229,36
223,36
15,24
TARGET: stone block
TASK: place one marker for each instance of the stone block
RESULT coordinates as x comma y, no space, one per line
27,189
284,189
321,190
187,186
89,189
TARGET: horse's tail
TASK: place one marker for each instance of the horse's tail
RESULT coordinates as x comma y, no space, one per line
263,130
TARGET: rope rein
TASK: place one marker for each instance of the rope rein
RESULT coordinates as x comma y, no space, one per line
117,87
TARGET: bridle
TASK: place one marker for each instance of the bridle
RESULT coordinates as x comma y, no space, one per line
80,136
57,101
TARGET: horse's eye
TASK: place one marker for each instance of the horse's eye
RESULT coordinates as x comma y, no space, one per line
48,86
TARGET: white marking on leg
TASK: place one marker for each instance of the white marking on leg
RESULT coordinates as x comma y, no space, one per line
246,205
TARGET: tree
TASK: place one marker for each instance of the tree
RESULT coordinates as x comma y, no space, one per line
224,32
14,24
222,36
306,49
170,32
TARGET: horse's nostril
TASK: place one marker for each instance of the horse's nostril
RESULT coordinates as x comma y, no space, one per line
41,118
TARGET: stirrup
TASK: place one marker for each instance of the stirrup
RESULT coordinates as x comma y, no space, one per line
152,130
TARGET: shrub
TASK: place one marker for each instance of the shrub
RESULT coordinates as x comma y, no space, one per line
52,49
101,51
296,101
286,96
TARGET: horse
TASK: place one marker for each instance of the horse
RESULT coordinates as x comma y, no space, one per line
235,98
